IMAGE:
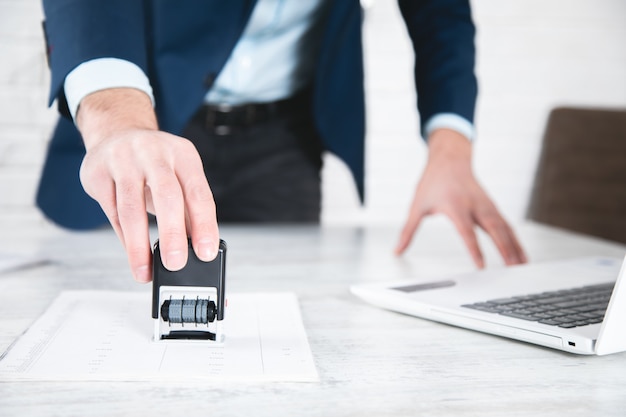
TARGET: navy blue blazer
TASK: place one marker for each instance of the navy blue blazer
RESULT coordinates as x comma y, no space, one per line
169,41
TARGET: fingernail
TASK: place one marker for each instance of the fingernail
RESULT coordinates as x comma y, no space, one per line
174,260
205,250
141,274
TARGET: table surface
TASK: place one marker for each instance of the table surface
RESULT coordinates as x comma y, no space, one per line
370,361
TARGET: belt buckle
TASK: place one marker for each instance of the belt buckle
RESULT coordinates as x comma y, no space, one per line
235,117
223,129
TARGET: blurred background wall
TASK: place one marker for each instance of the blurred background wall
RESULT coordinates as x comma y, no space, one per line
532,56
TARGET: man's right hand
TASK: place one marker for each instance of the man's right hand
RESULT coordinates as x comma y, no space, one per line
132,168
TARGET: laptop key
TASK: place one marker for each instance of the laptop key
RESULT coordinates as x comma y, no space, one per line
568,304
504,301
522,316
543,316
551,322
489,308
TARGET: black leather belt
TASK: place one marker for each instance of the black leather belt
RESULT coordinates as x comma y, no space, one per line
224,119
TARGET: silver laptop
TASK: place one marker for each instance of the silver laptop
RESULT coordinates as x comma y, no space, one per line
576,305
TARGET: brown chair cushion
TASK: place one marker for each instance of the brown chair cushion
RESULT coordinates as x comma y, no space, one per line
580,182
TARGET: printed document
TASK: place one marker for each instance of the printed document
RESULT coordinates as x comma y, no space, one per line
107,336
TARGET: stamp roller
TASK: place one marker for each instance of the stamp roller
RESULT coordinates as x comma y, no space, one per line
189,303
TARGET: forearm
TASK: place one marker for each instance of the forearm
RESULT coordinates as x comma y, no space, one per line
81,30
442,33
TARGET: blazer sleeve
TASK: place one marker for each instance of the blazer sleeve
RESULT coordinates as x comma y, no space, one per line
77,31
442,33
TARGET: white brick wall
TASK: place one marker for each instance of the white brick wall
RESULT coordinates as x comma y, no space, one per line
532,56
25,120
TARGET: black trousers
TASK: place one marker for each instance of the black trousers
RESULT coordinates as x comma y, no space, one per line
263,163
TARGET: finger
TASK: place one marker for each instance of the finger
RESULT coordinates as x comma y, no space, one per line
408,231
465,226
107,200
133,220
169,209
100,186
200,209
108,203
503,237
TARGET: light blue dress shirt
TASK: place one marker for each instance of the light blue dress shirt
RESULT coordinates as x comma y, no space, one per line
273,58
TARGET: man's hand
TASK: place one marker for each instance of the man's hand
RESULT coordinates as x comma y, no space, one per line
132,168
448,186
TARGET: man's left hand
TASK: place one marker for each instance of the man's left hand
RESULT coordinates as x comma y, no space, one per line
448,186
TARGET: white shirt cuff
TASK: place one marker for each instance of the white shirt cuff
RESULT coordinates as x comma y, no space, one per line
100,74
450,121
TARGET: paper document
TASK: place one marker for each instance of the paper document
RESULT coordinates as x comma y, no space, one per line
107,336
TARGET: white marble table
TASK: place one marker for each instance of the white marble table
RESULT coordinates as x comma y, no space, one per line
370,362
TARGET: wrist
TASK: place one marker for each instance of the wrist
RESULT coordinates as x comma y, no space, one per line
449,144
106,112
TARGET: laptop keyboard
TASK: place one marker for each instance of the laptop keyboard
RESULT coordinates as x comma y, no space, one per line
566,308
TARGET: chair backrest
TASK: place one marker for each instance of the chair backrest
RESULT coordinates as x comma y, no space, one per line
580,182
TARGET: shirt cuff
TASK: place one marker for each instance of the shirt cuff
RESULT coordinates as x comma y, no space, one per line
100,74
450,121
